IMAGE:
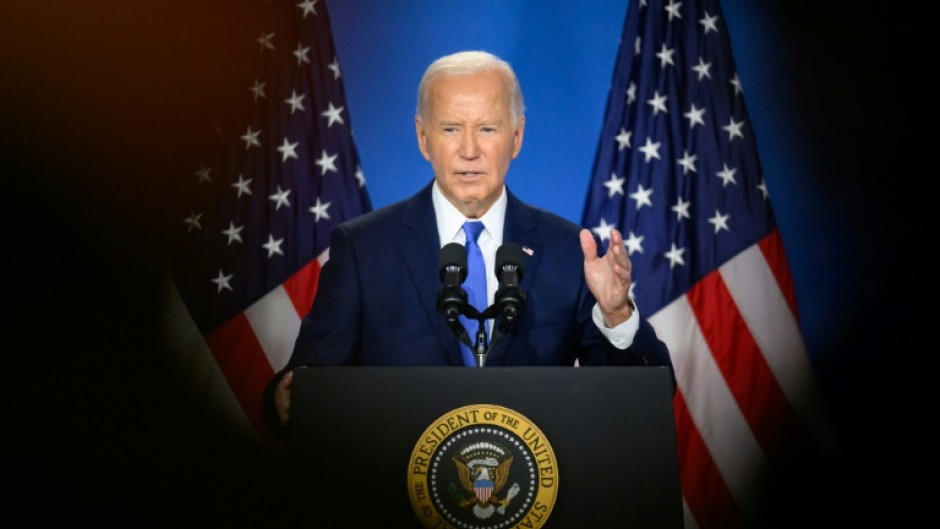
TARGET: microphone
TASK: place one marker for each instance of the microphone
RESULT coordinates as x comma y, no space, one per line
452,298
510,298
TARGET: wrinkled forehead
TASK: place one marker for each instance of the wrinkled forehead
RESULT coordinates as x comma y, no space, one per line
483,95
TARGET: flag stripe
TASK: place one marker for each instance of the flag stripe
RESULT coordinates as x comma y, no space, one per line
276,323
687,516
302,286
701,480
737,356
246,368
752,283
711,405
772,248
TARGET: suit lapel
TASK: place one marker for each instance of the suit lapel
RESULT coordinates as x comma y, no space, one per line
520,228
419,248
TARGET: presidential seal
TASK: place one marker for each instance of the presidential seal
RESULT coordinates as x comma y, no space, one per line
482,466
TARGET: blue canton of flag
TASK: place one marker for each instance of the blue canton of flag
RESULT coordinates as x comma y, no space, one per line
282,172
677,173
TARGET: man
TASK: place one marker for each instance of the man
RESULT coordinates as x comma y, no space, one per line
376,302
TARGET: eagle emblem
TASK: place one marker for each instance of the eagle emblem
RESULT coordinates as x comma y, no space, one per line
483,471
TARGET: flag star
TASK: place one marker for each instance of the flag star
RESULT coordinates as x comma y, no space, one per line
333,115
665,56
736,83
222,281
673,9
251,138
301,54
242,185
603,229
360,177
287,150
623,138
233,233
265,41
642,196
727,175
734,128
762,187
658,103
651,150
258,89
702,68
637,45
203,174
720,221
634,243
681,208
320,210
614,185
327,163
334,66
675,256
308,7
273,246
695,116
296,101
687,162
709,23
280,198
192,221
631,93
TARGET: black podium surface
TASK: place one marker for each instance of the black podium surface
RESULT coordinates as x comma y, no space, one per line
354,433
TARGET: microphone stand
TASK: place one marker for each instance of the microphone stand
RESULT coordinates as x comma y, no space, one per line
510,304
481,348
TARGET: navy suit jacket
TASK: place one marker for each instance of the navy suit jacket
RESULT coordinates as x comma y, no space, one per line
376,300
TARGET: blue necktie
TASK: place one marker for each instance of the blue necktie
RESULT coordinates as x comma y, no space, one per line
475,285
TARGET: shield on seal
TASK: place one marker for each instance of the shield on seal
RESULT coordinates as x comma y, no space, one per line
483,489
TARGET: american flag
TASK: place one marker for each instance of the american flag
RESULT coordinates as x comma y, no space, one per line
677,172
282,172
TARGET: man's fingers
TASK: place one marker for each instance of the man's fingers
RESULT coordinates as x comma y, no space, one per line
588,246
616,241
282,397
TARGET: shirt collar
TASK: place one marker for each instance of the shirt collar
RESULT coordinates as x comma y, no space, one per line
450,220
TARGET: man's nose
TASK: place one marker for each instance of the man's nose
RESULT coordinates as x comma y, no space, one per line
469,148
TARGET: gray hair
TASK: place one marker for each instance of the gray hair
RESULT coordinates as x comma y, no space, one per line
468,63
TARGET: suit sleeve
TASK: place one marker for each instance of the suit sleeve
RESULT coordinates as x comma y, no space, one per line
329,333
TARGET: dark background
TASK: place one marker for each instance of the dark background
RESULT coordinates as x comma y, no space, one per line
100,104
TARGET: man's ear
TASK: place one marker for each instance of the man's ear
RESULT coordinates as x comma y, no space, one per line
422,138
517,138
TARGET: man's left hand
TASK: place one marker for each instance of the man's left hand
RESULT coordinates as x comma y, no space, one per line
608,277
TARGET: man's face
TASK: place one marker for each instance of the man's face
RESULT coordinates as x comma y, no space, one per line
470,139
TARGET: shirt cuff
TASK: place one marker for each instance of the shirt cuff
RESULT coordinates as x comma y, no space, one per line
622,335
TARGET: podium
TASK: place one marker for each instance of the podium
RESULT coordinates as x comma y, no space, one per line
594,447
